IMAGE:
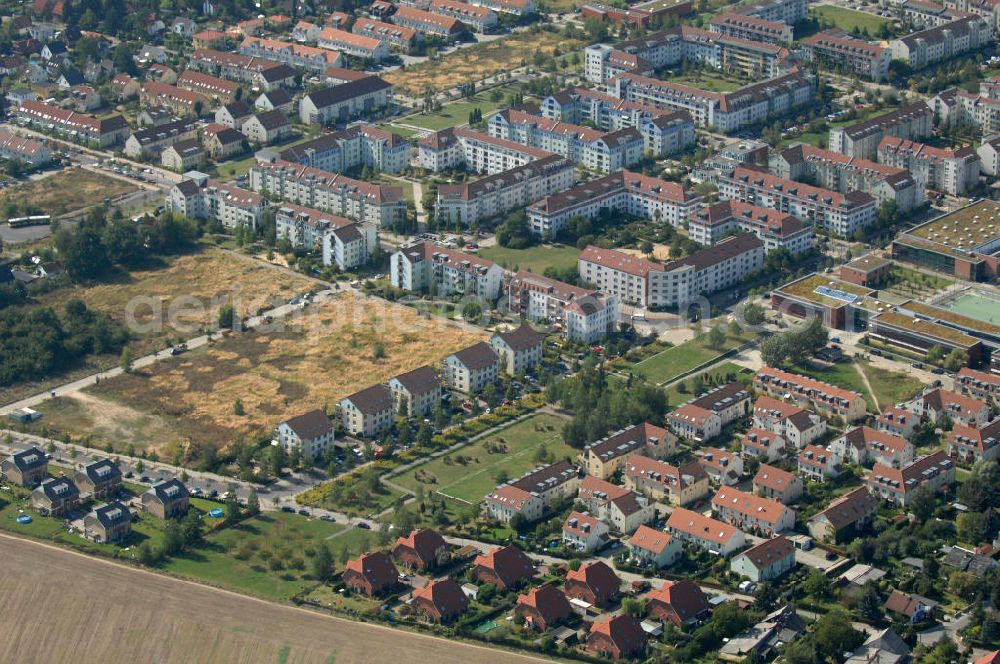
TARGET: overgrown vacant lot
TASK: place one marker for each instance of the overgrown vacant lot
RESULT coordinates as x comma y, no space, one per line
93,611
478,62
67,190
471,472
186,293
333,349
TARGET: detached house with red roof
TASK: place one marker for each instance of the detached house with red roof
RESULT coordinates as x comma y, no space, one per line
722,466
423,550
543,607
705,532
440,601
584,533
679,602
818,463
969,444
752,513
505,567
766,561
655,548
897,485
796,425
959,408
618,637
594,583
864,445
371,573
845,516
777,484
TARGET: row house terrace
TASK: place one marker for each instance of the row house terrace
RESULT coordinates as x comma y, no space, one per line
793,424
819,463
604,457
828,399
979,384
864,446
762,445
662,481
777,484
897,421
722,466
752,513
897,485
971,444
310,58
959,408
717,537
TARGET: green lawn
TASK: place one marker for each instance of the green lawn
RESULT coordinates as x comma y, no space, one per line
230,170
471,472
451,115
708,80
675,396
534,259
889,387
267,555
667,365
404,132
849,20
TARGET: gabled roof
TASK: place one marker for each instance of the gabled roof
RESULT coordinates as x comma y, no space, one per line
58,488
684,597
310,425
769,552
376,567
650,539
749,505
424,542
101,471
627,440
849,508
522,338
597,576
272,119
419,381
445,595
774,478
906,604
700,526
338,94
624,631
477,356
112,514
509,563
371,400
549,601
169,490
581,524
29,459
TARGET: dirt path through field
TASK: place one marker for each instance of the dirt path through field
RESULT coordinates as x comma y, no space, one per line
60,606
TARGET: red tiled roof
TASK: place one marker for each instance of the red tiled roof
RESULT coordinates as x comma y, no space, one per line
650,539
769,552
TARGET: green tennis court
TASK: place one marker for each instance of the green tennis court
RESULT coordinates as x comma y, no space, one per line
979,304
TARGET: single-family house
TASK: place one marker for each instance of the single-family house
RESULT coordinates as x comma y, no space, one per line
371,573
584,533
654,548
441,601
99,479
769,560
818,463
55,496
617,637
506,567
594,583
543,607
108,523
26,468
777,484
724,468
679,602
166,500
423,549
844,517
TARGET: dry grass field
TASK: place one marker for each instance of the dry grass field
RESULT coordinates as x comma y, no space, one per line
478,62
68,190
331,350
186,294
62,607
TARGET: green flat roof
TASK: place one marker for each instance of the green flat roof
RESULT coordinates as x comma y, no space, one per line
926,328
805,289
952,317
963,230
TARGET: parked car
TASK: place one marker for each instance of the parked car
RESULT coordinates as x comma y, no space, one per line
289,510
362,524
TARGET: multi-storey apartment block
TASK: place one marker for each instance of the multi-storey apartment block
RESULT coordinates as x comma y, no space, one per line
777,230
355,99
344,243
750,28
363,202
840,214
839,50
584,315
199,197
424,266
368,48
827,399
644,283
844,174
862,139
310,58
356,147
951,170
943,42
624,193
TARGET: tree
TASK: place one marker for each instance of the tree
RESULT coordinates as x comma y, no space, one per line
973,527
125,360
934,354
834,634
173,537
238,409
869,603
717,336
472,311
922,504
123,243
84,254
322,563
956,359
753,314
232,509
227,316
634,607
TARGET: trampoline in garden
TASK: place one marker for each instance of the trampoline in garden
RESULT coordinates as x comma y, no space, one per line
216,512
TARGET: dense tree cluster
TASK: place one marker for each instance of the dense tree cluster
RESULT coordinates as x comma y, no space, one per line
599,408
35,342
794,346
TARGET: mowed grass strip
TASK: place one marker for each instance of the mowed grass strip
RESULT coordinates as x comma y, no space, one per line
849,20
450,115
534,259
471,472
667,365
889,387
